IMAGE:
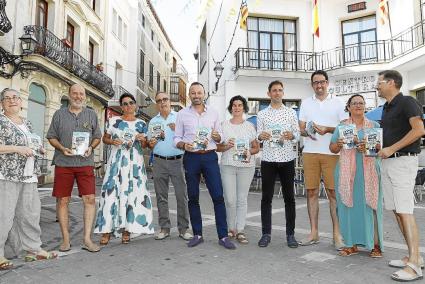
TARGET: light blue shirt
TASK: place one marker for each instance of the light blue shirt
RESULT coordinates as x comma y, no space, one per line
166,147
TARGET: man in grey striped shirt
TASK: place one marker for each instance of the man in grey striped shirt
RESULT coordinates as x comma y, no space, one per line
68,124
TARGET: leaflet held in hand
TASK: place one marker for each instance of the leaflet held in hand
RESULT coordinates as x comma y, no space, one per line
348,133
80,143
240,150
156,130
202,134
276,132
128,135
34,142
373,137
309,128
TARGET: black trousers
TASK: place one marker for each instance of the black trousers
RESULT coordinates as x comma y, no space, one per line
286,172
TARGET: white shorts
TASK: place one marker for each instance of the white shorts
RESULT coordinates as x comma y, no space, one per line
398,182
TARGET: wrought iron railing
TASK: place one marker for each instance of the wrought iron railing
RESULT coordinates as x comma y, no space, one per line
349,55
51,47
5,25
119,90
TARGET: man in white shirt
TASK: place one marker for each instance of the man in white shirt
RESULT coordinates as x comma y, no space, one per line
278,130
319,115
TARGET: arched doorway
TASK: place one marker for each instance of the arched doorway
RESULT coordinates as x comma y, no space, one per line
37,108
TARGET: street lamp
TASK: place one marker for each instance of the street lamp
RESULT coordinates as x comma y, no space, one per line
148,102
28,43
218,70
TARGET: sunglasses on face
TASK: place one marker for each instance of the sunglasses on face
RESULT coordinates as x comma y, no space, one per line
130,103
164,100
9,99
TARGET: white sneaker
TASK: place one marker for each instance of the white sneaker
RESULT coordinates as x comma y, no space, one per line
162,235
185,236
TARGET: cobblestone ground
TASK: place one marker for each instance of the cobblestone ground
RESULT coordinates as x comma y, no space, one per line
146,260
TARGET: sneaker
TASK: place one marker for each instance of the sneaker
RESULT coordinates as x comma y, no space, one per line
185,235
196,240
291,241
264,241
162,235
227,243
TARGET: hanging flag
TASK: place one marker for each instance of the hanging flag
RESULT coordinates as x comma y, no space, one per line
244,15
315,18
383,11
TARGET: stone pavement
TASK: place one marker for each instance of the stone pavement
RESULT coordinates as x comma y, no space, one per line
146,260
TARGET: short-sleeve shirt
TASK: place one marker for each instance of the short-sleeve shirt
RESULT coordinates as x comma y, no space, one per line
329,112
395,121
165,147
63,124
245,130
283,116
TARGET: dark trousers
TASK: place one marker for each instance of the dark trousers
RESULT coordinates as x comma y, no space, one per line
207,164
286,172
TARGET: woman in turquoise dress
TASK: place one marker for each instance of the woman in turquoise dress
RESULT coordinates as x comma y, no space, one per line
357,182
125,205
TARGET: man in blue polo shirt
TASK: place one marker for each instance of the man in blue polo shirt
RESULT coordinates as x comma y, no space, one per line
167,164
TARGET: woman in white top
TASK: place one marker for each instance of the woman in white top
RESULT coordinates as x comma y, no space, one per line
237,166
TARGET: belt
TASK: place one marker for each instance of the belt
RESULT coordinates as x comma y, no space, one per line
203,151
168,158
400,154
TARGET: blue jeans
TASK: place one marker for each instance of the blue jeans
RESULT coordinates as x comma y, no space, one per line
207,165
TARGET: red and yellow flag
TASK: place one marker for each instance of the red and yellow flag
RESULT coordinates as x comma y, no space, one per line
244,15
383,11
315,18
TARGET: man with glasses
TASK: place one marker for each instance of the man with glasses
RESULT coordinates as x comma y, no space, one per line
199,122
402,131
66,123
319,115
167,164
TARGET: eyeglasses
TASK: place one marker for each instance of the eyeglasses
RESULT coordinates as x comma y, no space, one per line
164,100
357,104
321,82
130,103
14,98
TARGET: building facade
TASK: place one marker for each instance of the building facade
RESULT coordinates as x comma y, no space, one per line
65,45
353,46
159,64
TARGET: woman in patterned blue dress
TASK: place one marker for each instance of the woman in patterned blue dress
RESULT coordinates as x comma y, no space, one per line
125,204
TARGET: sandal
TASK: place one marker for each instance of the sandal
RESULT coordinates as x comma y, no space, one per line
241,238
5,264
41,255
125,237
232,234
105,239
404,276
349,251
376,252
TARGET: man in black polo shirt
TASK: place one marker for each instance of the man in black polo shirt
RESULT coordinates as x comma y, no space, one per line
402,127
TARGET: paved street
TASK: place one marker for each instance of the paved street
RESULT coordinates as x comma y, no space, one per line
146,260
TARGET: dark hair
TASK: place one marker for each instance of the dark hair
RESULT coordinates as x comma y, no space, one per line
319,72
393,75
197,84
238,98
275,82
350,99
126,95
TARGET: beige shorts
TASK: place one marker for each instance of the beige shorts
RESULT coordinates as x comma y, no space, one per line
398,182
318,166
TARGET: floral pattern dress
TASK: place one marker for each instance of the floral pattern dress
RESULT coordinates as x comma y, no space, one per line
125,203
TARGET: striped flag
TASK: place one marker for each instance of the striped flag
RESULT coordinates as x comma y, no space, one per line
383,11
315,18
244,15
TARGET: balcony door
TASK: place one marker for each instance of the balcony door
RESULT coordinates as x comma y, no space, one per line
270,43
37,108
359,40
42,13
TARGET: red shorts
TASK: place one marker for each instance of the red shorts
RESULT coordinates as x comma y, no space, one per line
64,181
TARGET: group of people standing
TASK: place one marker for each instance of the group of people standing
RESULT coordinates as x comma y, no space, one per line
355,184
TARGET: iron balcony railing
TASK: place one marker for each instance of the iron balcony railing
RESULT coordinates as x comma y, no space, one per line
349,55
119,90
5,25
51,47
